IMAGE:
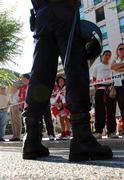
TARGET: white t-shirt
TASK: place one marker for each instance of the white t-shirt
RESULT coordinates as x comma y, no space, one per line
102,73
118,76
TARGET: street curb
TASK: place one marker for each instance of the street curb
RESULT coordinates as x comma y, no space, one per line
113,143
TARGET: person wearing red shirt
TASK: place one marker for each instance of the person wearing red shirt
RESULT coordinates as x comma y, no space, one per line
23,89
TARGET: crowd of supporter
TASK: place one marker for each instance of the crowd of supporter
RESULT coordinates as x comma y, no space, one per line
104,118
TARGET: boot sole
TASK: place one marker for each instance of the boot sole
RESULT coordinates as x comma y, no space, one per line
79,158
76,158
34,156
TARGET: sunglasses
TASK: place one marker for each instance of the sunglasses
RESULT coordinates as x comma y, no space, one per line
120,49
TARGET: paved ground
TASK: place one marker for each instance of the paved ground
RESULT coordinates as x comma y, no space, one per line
57,166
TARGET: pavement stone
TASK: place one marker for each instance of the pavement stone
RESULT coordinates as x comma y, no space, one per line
57,166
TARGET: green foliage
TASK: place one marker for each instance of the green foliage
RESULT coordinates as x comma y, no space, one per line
7,77
120,6
9,38
57,129
10,45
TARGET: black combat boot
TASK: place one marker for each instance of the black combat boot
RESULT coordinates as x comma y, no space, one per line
83,145
32,146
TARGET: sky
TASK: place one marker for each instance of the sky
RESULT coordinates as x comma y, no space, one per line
22,12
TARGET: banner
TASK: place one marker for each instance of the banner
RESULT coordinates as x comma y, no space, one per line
107,79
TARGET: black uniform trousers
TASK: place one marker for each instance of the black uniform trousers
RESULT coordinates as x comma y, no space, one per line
105,109
120,98
52,28
48,121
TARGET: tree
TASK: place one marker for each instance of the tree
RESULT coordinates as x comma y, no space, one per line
9,38
122,4
7,77
10,46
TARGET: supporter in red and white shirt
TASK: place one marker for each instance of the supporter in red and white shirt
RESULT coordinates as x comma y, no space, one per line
59,107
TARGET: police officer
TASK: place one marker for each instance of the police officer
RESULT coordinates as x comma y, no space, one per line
51,31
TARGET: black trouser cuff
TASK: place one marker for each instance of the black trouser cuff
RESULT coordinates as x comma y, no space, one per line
79,117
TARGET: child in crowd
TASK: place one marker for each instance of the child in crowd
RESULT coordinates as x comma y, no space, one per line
59,108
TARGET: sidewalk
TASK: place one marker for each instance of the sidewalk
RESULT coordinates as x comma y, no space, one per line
56,166
113,143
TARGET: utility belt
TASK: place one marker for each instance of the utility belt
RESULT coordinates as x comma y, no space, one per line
70,2
43,2
56,1
40,3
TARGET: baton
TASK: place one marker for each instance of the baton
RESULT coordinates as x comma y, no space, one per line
69,45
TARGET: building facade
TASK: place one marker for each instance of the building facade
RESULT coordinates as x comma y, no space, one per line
109,16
